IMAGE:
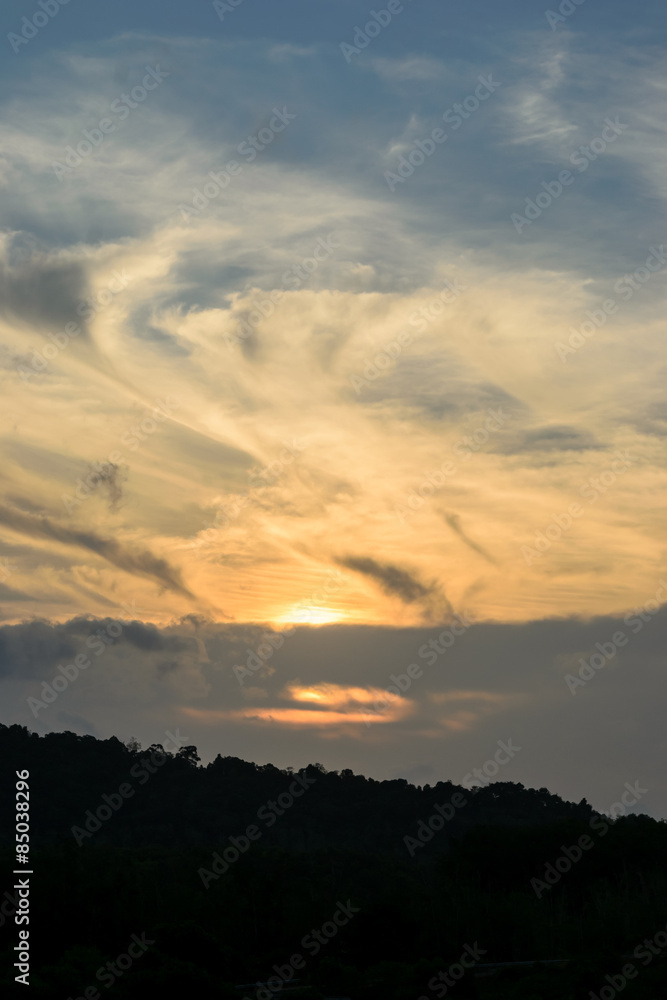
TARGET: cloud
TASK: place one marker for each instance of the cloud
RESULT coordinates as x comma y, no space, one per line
493,346
553,438
111,480
478,704
9,594
34,648
454,522
289,716
401,583
140,562
332,706
42,290
350,700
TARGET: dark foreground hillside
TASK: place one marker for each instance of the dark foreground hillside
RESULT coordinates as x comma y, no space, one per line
151,872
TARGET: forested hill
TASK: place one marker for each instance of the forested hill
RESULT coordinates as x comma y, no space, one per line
166,797
232,874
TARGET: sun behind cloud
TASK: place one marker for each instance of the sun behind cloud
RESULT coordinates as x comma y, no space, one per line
316,615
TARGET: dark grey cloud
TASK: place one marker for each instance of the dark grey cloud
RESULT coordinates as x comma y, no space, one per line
141,635
43,292
32,649
436,389
394,581
553,438
35,648
145,637
653,420
165,667
454,522
139,562
112,480
398,582
113,484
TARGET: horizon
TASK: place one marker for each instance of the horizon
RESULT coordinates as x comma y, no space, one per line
476,780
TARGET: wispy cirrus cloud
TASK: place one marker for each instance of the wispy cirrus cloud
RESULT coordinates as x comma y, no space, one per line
136,561
399,582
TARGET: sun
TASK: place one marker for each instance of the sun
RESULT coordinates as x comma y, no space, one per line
315,614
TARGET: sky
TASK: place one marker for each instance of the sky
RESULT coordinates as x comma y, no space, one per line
340,326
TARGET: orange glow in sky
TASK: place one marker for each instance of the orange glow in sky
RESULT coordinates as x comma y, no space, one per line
339,706
316,615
